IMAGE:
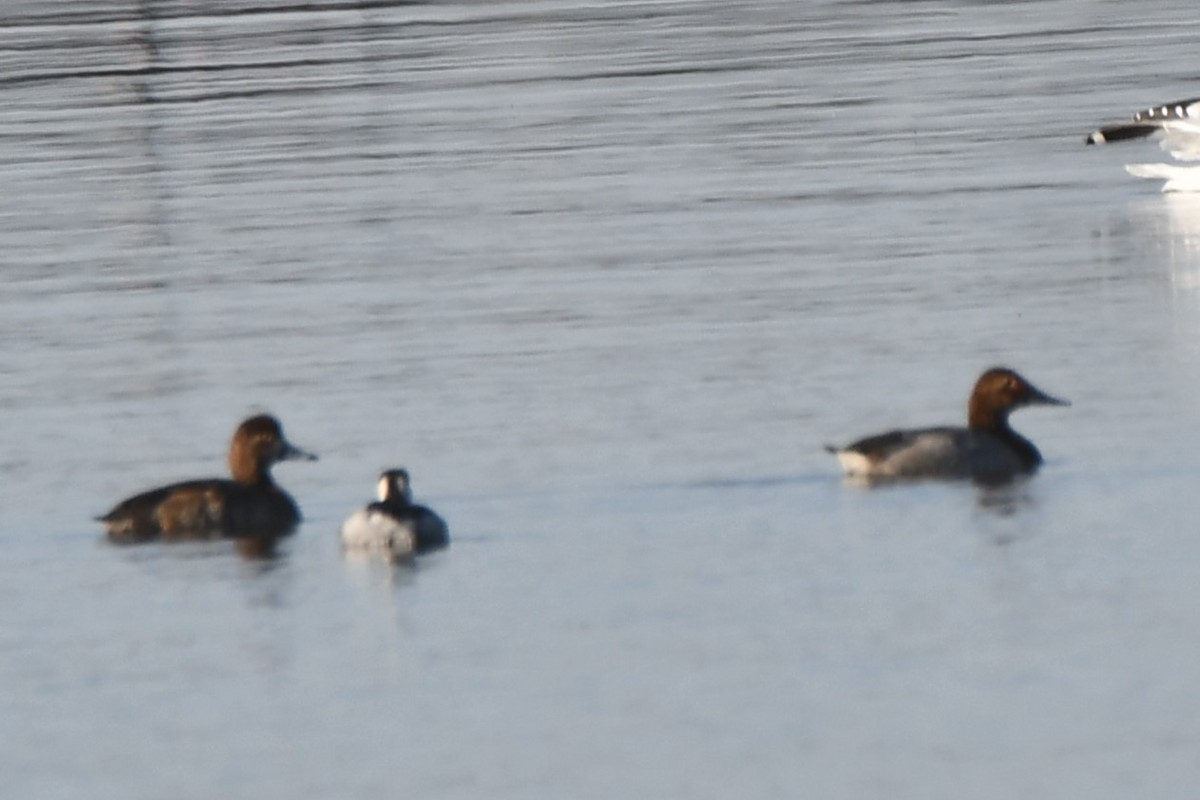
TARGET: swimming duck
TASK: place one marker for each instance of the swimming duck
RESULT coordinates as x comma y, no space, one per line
394,525
987,450
1177,124
248,506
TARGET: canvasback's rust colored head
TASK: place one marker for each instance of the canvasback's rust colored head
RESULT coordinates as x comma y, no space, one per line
257,444
1000,391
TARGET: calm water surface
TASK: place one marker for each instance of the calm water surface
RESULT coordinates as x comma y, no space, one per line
605,277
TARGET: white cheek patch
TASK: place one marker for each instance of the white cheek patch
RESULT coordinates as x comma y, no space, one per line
854,463
383,489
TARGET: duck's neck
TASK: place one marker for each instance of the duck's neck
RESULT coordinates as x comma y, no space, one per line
250,471
996,423
397,500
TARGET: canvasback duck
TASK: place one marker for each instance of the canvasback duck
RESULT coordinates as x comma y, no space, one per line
393,525
987,450
1177,124
249,506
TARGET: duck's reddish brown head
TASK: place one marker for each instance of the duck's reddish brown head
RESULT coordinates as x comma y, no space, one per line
257,444
999,392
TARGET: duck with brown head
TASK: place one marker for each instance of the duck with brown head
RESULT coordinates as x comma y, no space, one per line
250,506
988,450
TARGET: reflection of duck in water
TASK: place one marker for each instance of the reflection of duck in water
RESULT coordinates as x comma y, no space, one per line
987,450
393,525
250,506
1178,126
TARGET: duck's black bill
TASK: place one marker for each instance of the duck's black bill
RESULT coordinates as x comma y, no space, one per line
293,453
1038,397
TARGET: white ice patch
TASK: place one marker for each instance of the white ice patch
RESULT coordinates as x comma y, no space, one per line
1177,178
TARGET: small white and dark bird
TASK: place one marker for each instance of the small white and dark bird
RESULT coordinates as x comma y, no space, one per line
394,525
1177,126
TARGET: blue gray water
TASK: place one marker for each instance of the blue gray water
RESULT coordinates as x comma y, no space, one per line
604,277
